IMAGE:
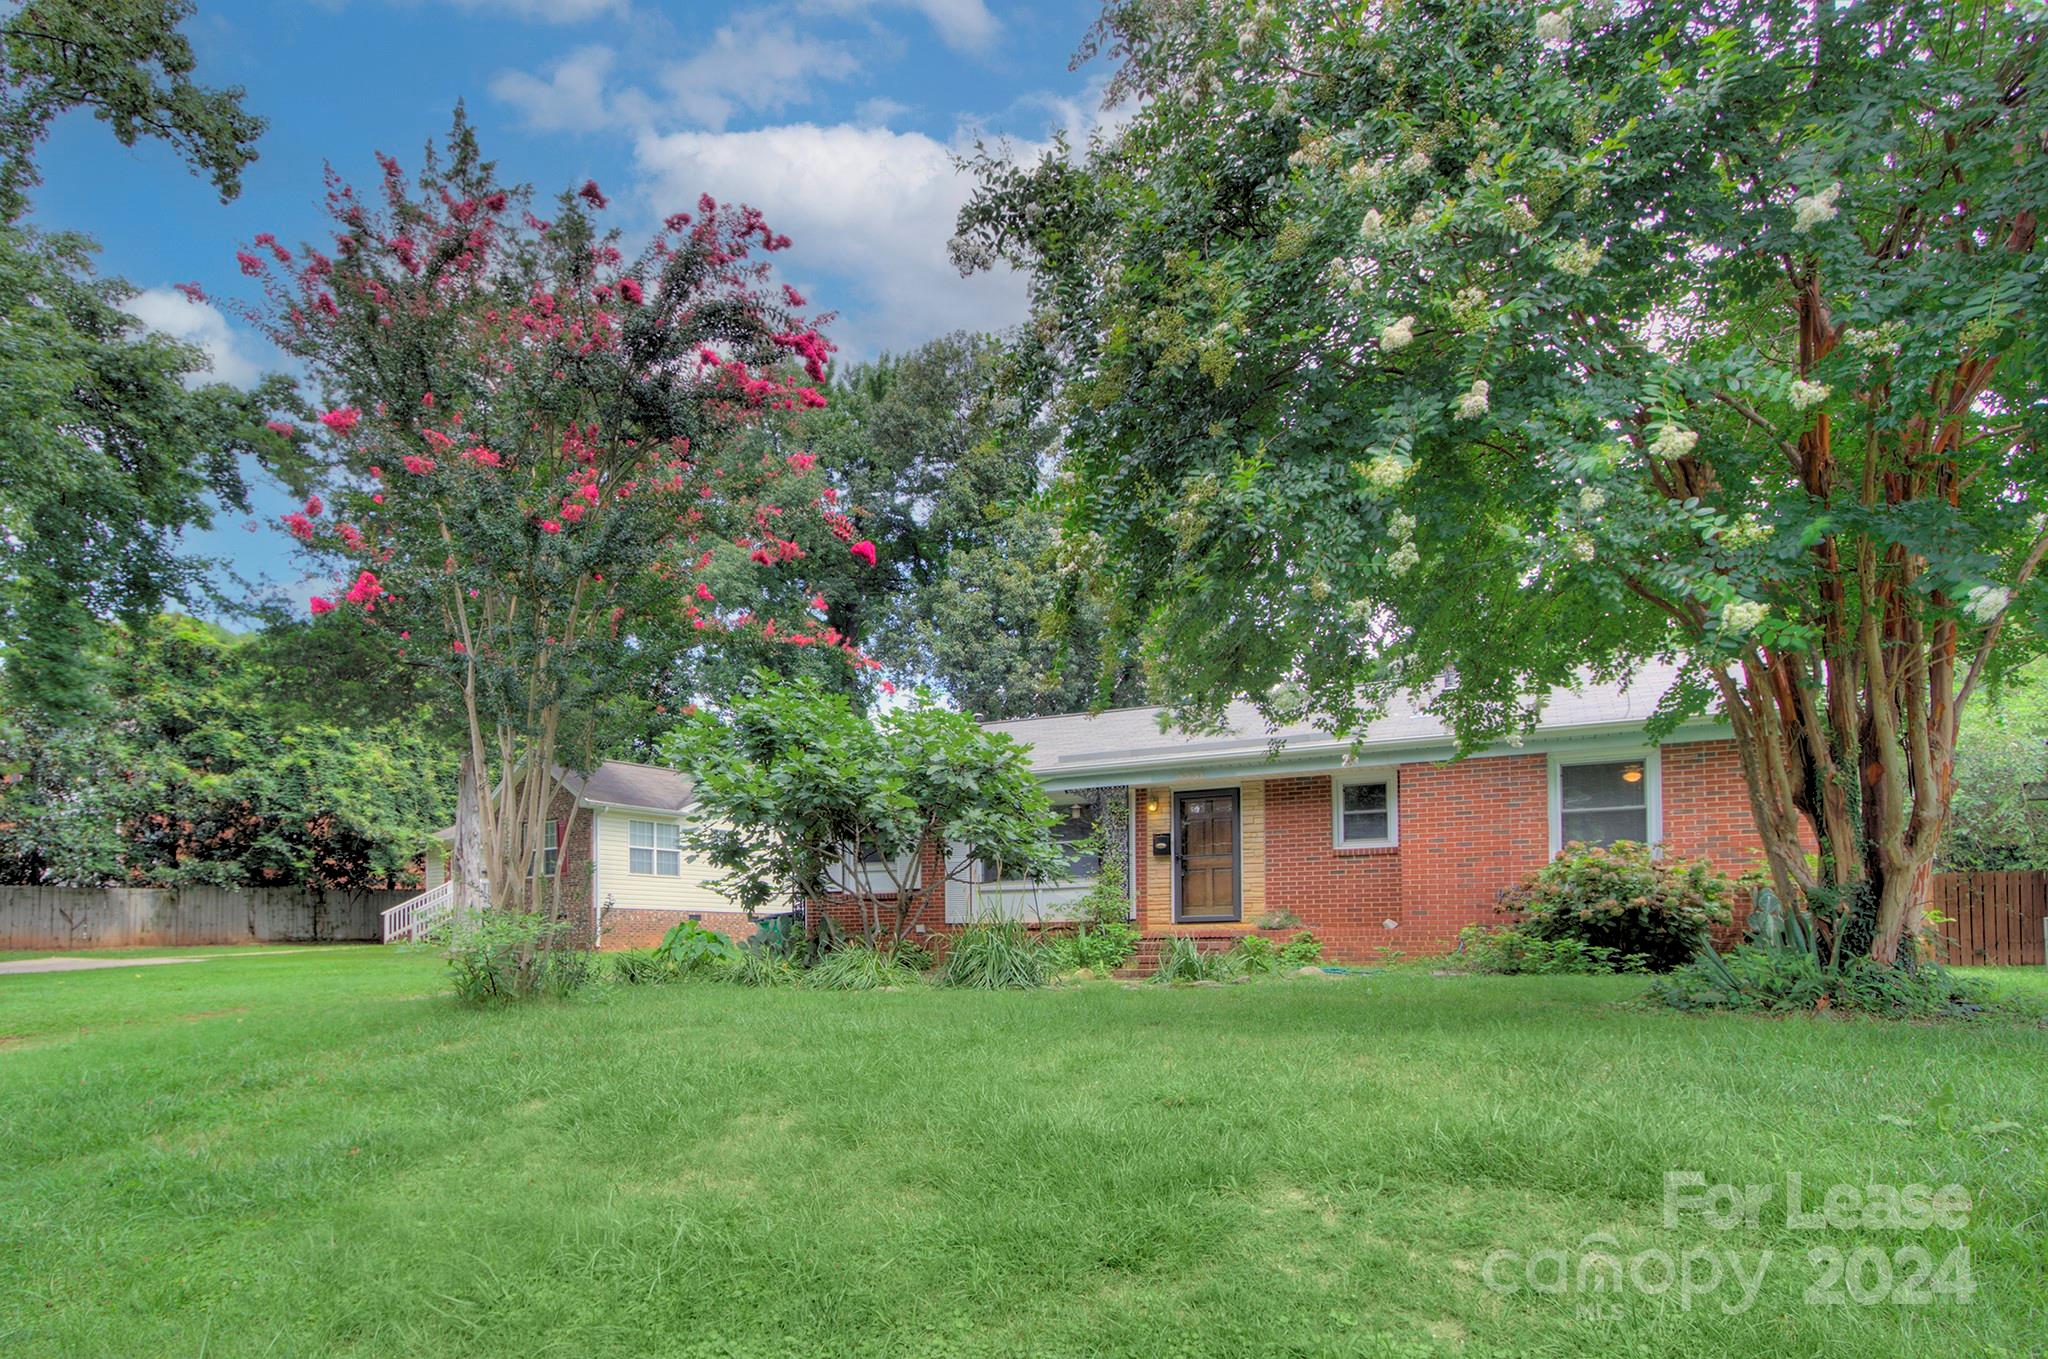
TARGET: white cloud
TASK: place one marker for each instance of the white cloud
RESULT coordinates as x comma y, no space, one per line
756,65
199,324
751,65
964,25
873,207
878,111
575,96
550,11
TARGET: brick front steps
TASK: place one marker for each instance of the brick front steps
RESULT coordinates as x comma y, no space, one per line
1145,961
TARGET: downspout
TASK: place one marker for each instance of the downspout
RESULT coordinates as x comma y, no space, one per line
596,868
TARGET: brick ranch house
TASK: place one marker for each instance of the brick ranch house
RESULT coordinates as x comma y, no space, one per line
1386,843
1390,842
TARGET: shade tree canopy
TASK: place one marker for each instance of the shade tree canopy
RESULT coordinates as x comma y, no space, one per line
1508,343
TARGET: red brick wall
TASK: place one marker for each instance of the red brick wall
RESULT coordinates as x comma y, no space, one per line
1345,895
574,866
1706,806
626,929
1467,832
927,909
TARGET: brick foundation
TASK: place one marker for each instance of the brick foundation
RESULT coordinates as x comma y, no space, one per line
629,929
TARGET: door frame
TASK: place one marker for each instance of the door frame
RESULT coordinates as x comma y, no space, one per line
1236,915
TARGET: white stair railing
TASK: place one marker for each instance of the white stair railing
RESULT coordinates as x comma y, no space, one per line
416,917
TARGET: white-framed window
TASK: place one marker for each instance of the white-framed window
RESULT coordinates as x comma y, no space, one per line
1365,809
653,847
1599,799
1074,833
551,850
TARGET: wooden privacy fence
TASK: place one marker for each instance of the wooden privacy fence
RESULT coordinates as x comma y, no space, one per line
1994,918
128,917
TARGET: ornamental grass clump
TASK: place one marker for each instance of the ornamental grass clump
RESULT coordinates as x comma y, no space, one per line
995,955
860,966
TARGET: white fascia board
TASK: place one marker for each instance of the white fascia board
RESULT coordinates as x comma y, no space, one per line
1325,755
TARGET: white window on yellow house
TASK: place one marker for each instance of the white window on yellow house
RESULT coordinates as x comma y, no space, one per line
653,847
550,849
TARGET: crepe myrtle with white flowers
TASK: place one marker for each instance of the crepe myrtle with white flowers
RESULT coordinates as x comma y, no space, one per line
1494,340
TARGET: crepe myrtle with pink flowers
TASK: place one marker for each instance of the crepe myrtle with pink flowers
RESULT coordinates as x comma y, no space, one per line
554,468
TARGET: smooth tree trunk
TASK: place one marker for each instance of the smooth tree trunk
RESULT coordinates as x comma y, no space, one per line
467,867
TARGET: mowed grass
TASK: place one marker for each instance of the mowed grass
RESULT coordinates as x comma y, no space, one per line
319,1153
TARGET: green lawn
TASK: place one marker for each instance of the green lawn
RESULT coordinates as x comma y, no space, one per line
319,1154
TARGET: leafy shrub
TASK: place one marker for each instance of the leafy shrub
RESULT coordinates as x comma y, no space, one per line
1279,918
1258,956
1101,947
692,950
503,956
1624,899
1303,950
1755,977
914,955
781,935
1510,951
750,966
641,967
995,955
860,966
1183,960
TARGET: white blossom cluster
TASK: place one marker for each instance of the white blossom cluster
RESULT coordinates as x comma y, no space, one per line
1554,27
1386,473
1746,532
1469,307
1579,258
1740,616
1474,403
1806,395
1672,441
1592,499
1398,336
1810,210
1881,342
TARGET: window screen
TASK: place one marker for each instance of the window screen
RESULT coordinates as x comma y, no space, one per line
1367,814
1603,803
652,847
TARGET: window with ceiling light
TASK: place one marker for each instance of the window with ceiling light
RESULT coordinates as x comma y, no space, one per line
1600,801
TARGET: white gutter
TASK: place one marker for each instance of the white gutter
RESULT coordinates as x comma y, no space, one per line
631,807
1328,753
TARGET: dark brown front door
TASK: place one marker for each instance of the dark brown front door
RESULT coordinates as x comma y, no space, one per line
1208,855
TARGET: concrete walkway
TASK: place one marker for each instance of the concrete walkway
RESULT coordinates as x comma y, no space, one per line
74,963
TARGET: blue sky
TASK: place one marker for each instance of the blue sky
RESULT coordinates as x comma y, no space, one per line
836,117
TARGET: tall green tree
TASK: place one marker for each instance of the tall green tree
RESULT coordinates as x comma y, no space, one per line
130,66
210,765
1501,342
801,795
109,447
948,475
2000,819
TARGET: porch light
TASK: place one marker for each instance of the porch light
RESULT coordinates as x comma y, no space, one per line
1632,774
